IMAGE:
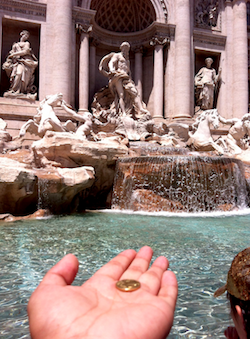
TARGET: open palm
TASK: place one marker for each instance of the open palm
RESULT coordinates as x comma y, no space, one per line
97,309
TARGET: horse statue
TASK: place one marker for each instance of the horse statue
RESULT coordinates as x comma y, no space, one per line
201,138
47,120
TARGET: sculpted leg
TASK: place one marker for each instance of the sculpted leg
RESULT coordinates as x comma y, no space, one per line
17,80
120,91
30,126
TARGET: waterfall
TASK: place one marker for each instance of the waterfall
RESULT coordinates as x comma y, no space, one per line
43,193
179,183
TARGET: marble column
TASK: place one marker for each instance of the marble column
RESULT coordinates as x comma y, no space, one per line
182,60
158,44
169,90
138,71
84,68
45,67
227,70
92,70
60,21
158,82
240,59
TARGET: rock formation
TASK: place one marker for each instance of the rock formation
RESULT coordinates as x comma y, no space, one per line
63,173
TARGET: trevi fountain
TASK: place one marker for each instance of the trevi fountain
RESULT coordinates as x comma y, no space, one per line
96,181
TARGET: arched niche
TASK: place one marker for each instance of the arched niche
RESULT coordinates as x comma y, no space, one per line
11,34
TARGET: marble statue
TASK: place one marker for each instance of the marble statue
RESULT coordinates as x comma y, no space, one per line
201,138
3,125
206,13
46,119
20,66
205,82
238,135
119,105
116,66
85,130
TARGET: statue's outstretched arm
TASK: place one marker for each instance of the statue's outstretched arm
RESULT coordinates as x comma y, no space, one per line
74,115
228,121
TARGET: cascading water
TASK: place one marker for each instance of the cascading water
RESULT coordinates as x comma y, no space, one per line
179,183
42,192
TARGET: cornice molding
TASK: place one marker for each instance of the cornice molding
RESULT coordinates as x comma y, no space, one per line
141,38
83,16
209,38
25,7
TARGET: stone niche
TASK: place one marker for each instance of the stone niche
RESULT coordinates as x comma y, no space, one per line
11,33
200,56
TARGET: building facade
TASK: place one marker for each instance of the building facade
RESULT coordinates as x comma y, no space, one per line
169,39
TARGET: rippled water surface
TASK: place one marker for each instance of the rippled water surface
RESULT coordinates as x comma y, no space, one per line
200,250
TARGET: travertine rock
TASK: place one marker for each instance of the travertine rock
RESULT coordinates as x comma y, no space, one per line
67,150
23,189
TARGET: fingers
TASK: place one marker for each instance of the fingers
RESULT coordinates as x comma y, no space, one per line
129,265
139,265
169,288
231,333
115,267
149,278
153,277
63,273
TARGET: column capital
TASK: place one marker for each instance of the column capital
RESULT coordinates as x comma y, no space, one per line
138,49
160,41
83,28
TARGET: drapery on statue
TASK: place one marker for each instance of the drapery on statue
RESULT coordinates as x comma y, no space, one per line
20,66
116,67
205,82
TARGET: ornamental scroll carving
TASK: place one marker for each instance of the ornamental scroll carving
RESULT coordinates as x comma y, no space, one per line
207,14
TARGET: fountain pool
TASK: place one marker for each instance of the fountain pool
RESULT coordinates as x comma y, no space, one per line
200,250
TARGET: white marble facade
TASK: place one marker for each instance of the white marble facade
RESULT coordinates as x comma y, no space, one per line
169,39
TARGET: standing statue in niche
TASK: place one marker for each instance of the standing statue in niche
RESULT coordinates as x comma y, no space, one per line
116,67
206,81
20,66
119,104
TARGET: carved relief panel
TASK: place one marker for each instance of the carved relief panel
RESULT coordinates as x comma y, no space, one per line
207,14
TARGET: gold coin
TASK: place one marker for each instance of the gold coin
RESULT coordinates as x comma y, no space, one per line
128,285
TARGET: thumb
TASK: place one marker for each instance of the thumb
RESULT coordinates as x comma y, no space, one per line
63,273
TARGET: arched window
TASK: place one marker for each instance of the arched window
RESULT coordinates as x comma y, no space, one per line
123,16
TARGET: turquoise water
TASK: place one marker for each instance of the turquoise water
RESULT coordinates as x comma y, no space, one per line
200,250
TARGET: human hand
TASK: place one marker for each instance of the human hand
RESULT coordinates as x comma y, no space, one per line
231,333
97,309
63,103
